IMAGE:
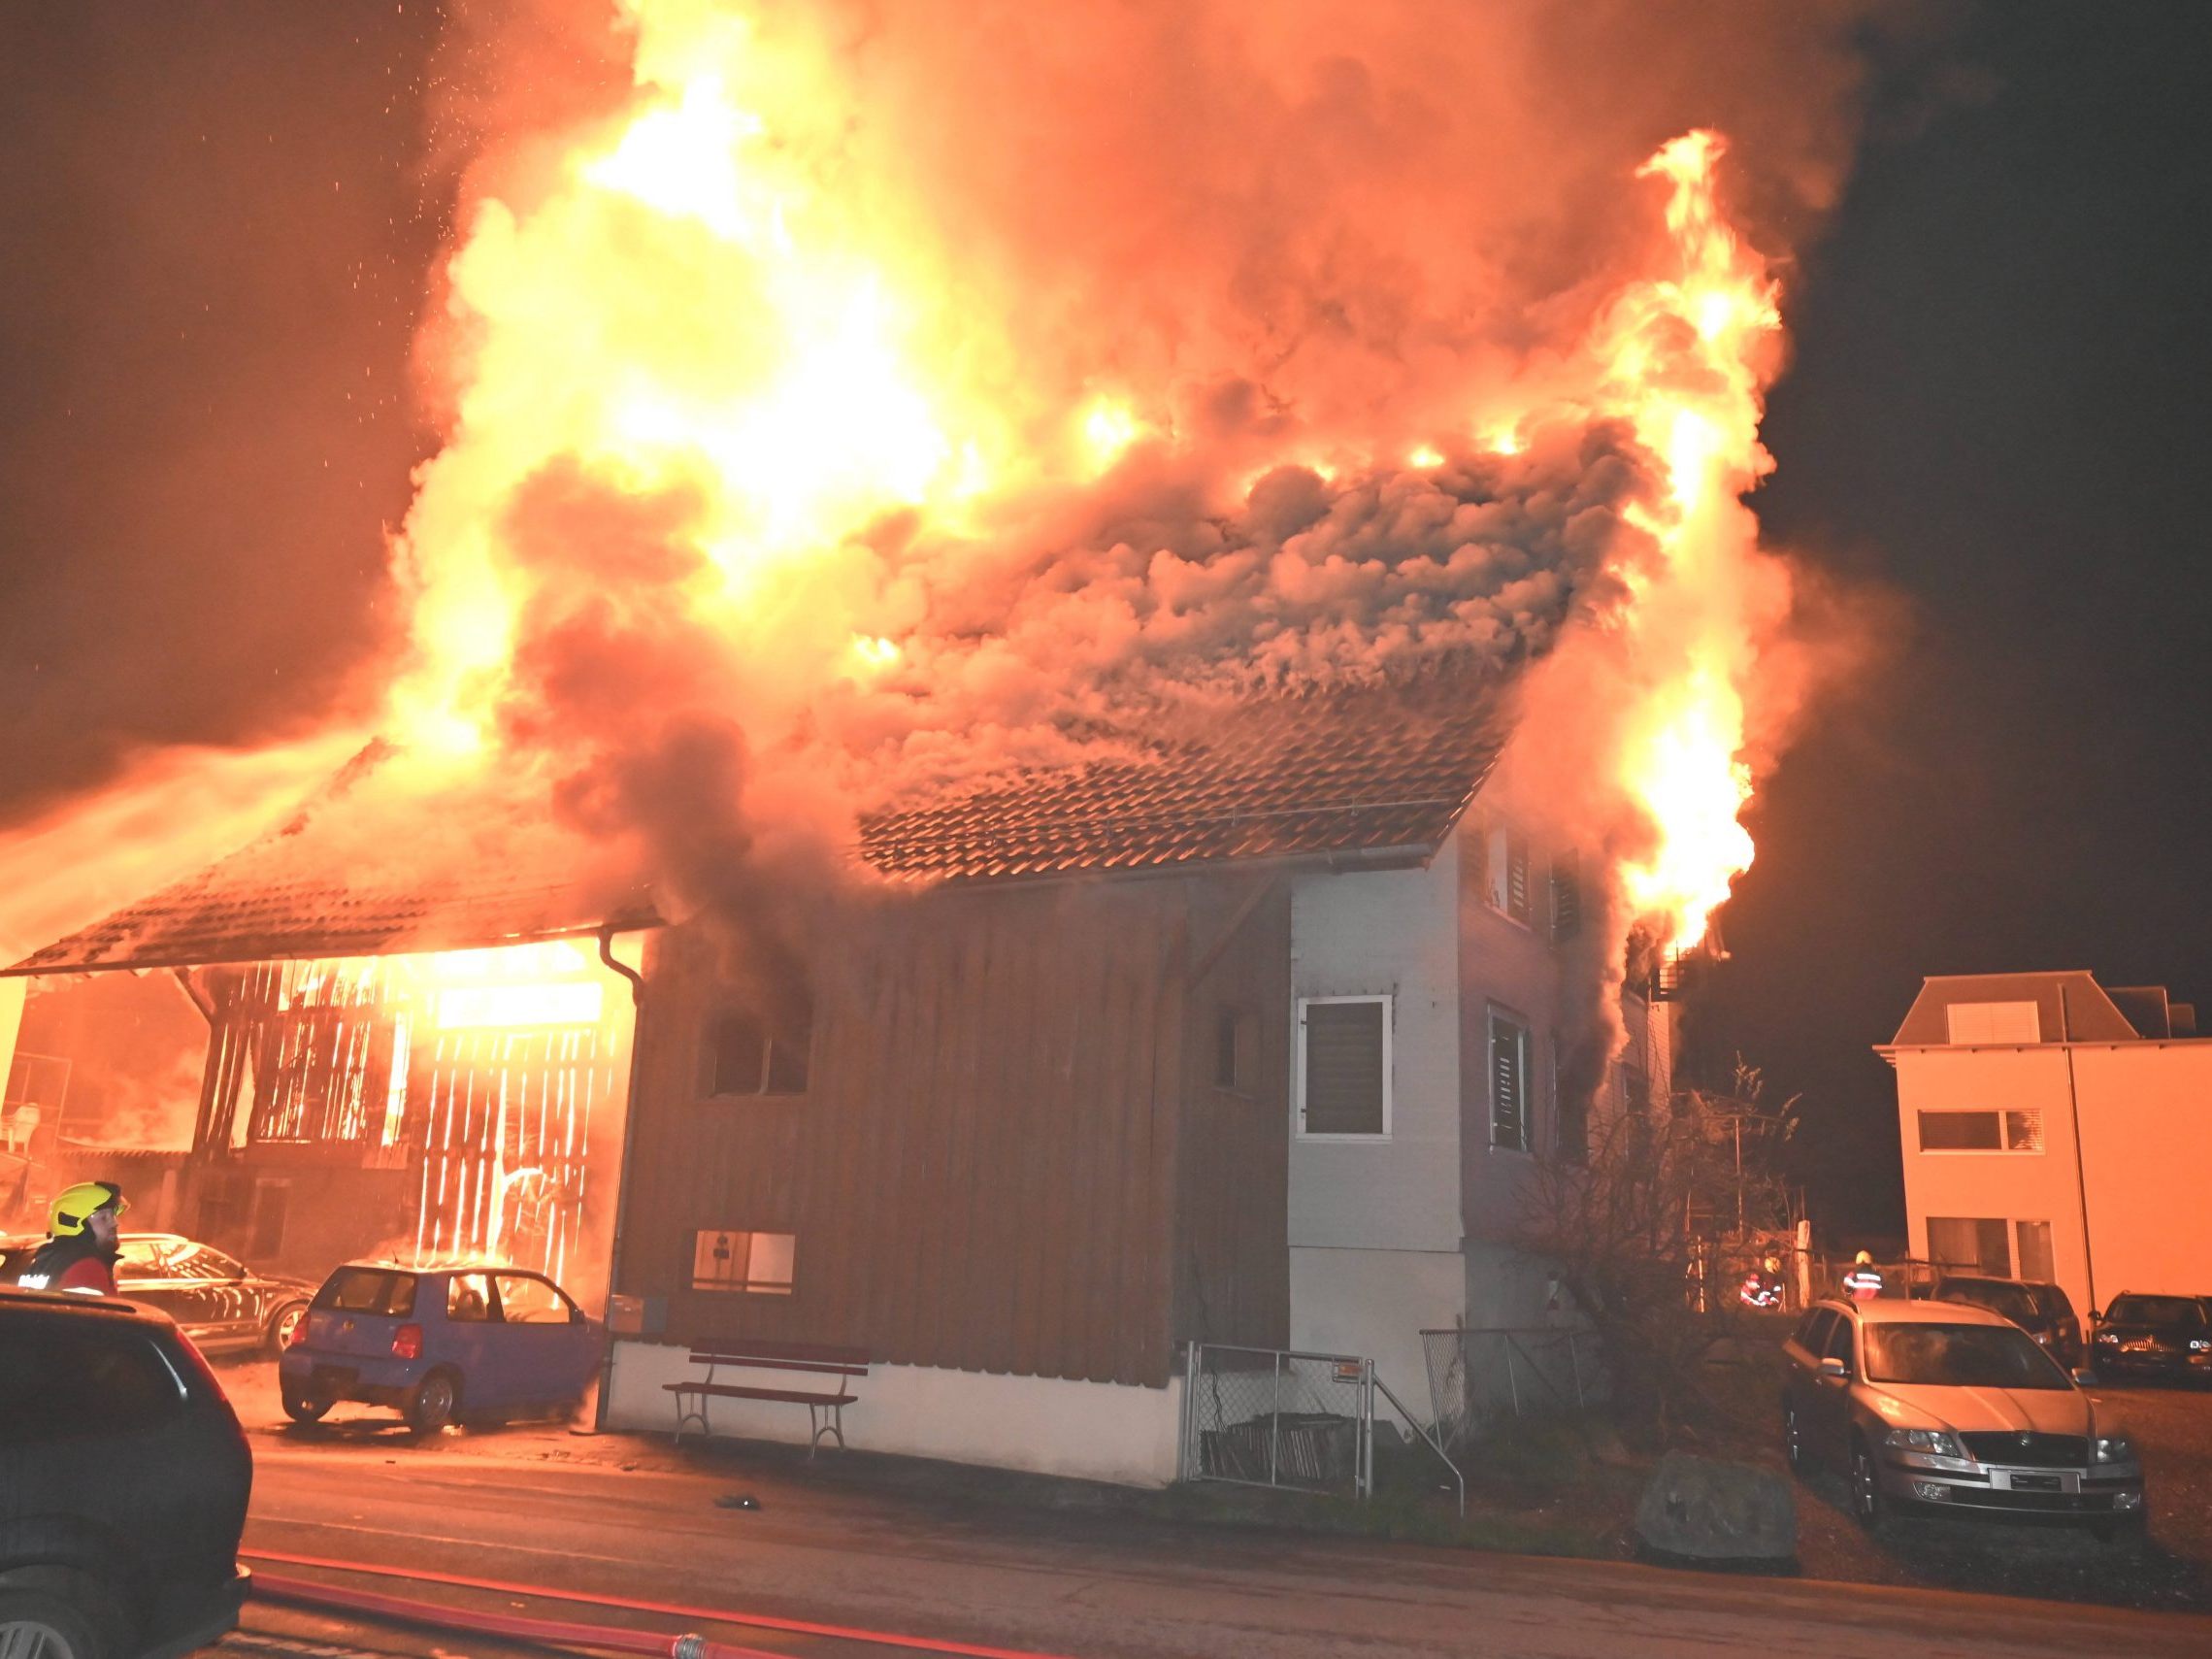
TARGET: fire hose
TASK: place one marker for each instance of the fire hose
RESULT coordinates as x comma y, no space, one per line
339,1598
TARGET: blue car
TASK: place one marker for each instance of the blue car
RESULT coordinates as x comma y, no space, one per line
474,1341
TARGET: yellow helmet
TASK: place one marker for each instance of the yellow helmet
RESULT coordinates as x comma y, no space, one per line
72,1206
1864,1259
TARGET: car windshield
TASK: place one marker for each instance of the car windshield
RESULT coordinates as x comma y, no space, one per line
1959,1356
2010,1300
368,1290
2155,1311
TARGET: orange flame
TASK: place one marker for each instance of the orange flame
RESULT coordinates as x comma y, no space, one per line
1687,359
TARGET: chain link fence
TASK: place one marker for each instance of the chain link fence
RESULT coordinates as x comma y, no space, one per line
1269,1417
1477,1375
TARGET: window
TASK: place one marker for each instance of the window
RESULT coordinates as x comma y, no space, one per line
2033,1241
58,1383
1978,1245
1508,1084
368,1290
1981,1131
1570,1111
759,1263
527,1301
1507,851
468,1298
1814,1331
1235,1050
1343,1066
1838,1343
1994,1022
1566,898
745,1055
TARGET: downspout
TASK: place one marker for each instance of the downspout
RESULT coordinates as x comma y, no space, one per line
622,1180
2081,1171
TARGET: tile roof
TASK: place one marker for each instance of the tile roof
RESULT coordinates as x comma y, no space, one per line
1360,769
1375,769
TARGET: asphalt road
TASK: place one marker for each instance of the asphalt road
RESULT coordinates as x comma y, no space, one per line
1090,1585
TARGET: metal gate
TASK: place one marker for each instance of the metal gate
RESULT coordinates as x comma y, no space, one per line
1271,1417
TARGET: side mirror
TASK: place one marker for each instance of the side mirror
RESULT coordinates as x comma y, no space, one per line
2084,1378
1835,1367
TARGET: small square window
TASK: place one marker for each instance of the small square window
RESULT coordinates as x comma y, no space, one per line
757,1263
745,1054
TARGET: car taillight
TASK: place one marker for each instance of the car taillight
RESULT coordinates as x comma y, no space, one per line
407,1342
299,1337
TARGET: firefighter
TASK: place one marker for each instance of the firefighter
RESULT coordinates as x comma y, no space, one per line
1762,1290
1864,1279
80,1254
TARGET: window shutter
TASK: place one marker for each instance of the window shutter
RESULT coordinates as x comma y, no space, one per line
1343,1068
1509,1085
1566,899
1517,876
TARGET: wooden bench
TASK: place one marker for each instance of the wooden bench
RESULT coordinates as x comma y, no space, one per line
825,1411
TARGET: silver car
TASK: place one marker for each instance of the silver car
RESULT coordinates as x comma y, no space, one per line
1943,1406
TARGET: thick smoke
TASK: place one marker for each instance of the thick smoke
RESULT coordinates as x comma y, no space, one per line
1290,244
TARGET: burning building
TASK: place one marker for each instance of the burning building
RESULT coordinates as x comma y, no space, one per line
1128,736
1246,1038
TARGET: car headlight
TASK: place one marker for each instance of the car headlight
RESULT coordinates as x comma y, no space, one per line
2113,1449
2106,1337
2197,1345
1936,1442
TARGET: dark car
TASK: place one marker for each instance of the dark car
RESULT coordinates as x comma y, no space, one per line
476,1340
2153,1336
2041,1310
123,1483
223,1305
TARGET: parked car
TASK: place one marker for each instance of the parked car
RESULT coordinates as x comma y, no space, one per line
223,1305
478,1340
1948,1406
2154,1336
123,1483
2043,1309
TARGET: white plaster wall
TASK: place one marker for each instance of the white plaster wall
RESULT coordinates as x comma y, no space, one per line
11,993
1392,932
1376,1304
1095,1431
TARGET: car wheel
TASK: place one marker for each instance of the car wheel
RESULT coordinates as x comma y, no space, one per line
436,1398
282,1327
37,1625
1867,1505
303,1409
1792,1442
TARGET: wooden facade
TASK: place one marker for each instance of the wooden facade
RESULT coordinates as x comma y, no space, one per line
1043,1131
340,1115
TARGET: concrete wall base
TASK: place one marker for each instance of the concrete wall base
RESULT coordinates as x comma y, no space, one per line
1092,1431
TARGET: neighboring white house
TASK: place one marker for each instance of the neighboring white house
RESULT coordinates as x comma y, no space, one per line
2058,1130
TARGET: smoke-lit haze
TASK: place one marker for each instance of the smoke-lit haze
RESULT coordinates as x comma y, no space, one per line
828,401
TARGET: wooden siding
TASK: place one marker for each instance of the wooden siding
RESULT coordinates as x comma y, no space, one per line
1003,1160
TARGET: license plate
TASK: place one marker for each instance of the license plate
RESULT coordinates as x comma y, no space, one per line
2036,1483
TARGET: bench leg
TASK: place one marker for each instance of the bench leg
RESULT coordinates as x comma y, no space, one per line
824,1421
698,1416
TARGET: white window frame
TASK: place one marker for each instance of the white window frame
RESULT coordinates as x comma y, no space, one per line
1492,1013
1998,1113
1976,1024
1298,1064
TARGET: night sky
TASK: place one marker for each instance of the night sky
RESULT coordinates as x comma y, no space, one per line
1997,415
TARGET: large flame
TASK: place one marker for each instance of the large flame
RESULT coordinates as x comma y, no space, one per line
688,306
1687,355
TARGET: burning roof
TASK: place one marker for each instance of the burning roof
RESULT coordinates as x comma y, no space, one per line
1357,770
